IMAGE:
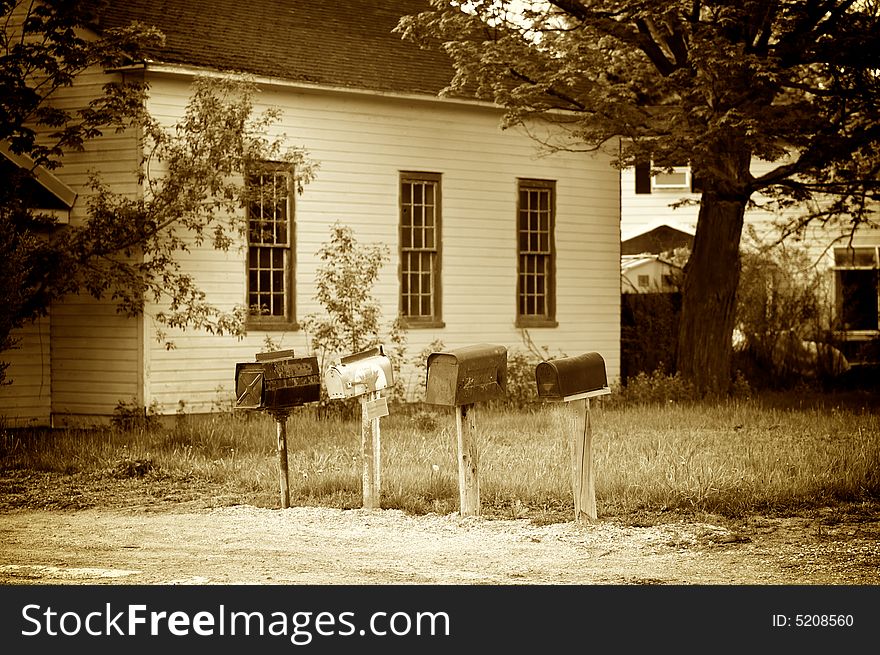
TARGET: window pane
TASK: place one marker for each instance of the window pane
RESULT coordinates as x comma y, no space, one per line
859,308
855,256
676,179
544,201
278,304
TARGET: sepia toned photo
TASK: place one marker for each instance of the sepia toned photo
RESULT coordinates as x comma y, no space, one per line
438,293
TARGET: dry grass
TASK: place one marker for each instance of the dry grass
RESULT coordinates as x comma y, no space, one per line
731,459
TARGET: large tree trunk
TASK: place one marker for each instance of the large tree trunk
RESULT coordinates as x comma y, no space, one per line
709,296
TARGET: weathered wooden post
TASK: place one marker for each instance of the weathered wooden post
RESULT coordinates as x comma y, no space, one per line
460,378
371,449
365,375
468,461
574,380
277,382
281,431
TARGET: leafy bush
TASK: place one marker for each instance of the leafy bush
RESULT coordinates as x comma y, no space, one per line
131,416
782,320
521,387
657,387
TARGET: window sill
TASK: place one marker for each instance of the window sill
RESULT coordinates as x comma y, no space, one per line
856,335
522,322
271,326
410,324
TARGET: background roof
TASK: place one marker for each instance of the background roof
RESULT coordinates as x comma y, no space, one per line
339,43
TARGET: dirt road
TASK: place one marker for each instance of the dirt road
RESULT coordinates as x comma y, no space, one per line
249,545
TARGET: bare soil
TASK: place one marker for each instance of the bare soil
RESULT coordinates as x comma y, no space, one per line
121,533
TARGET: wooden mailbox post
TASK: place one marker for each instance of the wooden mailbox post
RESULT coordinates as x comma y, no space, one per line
365,375
460,378
276,383
574,380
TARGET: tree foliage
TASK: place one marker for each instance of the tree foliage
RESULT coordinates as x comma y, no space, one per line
192,174
351,317
712,83
194,179
350,320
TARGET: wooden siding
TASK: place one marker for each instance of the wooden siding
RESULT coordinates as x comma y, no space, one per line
27,401
362,143
96,353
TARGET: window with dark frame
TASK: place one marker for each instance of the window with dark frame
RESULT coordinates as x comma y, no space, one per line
420,249
536,285
857,288
680,177
270,260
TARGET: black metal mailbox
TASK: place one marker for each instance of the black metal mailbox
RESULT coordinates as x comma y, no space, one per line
570,378
277,380
467,375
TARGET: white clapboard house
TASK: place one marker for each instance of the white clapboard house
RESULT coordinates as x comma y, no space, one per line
512,245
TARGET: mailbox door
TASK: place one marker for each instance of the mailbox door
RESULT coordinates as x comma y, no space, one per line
248,385
291,382
442,379
335,383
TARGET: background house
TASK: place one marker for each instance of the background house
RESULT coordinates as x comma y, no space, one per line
648,273
646,258
489,242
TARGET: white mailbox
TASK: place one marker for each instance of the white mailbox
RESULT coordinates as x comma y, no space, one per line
358,374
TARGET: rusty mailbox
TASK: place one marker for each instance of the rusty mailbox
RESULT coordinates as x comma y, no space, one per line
571,378
358,374
277,380
467,375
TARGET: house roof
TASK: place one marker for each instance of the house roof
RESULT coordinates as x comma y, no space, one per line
45,191
631,262
656,240
336,43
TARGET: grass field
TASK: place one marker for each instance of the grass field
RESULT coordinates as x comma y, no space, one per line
732,458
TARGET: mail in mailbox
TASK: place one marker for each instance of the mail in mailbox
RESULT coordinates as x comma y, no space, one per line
467,375
568,378
358,374
276,381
